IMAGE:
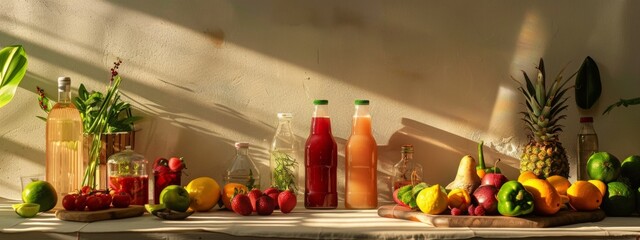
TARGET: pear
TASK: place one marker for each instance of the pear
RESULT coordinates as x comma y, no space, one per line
466,178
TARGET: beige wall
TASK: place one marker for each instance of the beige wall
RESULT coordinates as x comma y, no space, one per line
205,74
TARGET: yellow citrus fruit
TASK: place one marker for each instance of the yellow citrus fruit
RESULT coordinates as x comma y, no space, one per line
600,185
526,175
432,200
458,198
560,183
204,193
584,196
546,200
229,190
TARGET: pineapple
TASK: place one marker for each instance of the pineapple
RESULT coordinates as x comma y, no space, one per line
544,154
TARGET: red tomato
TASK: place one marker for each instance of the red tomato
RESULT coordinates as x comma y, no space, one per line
94,203
69,202
106,200
81,202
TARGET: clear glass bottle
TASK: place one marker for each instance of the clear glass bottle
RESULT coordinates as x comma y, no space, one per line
587,145
242,169
283,161
321,161
406,171
64,138
361,162
128,173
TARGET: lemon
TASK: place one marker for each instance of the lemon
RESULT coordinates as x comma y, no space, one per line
204,193
26,210
432,200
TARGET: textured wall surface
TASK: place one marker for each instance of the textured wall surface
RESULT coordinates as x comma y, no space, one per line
205,74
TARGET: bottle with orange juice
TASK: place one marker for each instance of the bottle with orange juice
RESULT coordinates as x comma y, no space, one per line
361,157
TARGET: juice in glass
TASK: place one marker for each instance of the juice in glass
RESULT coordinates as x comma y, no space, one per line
321,159
136,186
361,158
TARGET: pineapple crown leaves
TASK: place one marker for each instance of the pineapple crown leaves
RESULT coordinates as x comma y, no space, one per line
544,105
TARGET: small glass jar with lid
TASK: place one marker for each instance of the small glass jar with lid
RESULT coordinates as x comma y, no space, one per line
406,171
127,172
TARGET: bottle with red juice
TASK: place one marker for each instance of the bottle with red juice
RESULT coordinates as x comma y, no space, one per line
321,160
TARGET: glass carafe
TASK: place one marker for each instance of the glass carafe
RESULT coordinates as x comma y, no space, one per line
127,172
283,162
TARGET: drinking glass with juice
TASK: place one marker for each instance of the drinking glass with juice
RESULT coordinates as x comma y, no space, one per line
361,158
321,159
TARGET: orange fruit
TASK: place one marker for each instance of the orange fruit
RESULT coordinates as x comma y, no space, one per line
204,193
560,183
229,190
458,198
526,175
584,196
546,199
600,185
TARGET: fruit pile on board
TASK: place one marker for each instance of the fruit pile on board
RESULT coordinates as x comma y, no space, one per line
612,187
94,200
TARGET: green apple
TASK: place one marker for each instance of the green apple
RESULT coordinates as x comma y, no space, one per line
175,197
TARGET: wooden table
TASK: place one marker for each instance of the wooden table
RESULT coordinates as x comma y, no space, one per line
302,223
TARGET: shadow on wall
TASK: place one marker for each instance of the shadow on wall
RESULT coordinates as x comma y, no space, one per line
438,151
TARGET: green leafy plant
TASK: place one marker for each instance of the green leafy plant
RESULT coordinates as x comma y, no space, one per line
588,87
13,61
120,118
622,102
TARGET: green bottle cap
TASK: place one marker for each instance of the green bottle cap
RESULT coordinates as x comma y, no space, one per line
362,102
407,148
320,102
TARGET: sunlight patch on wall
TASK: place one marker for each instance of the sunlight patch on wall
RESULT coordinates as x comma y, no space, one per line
531,44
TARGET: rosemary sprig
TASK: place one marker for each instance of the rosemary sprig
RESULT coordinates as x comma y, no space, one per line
284,171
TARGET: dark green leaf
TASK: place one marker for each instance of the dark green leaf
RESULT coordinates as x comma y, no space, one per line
588,86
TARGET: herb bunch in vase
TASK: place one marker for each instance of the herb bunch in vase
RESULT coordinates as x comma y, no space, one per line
101,113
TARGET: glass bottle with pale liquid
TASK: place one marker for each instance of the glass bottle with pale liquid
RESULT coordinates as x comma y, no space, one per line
361,158
64,150
242,169
587,145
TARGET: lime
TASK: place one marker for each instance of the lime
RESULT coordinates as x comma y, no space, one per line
620,200
603,166
154,207
630,169
40,192
432,200
26,210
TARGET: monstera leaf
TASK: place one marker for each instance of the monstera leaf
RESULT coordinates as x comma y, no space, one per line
588,86
13,66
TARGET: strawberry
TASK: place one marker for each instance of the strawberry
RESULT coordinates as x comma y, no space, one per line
176,164
273,193
241,204
265,205
254,194
287,201
479,211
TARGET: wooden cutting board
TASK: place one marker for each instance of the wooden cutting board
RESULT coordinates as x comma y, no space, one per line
107,214
564,217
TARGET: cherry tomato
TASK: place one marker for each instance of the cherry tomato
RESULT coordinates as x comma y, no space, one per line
85,190
69,202
81,202
94,203
106,200
121,200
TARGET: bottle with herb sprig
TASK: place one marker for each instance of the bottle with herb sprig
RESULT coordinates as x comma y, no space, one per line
284,164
